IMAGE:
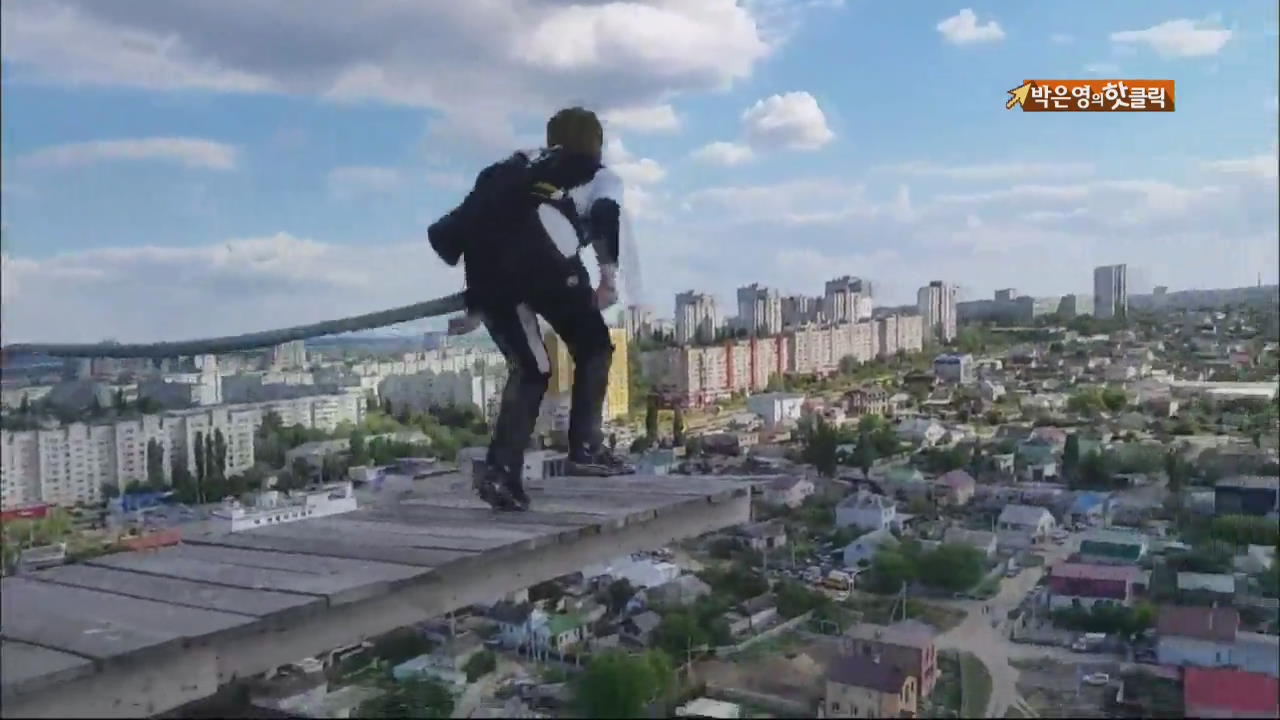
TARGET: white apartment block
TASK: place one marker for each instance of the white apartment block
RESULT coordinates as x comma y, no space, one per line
800,309
70,464
759,310
702,375
937,304
847,299
696,317
818,350
1110,291
637,320
427,389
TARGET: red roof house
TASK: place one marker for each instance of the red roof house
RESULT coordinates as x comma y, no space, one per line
1226,693
1088,583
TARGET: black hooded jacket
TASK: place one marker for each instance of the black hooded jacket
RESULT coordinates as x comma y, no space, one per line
519,229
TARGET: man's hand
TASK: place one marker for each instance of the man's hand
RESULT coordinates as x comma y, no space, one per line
463,324
607,291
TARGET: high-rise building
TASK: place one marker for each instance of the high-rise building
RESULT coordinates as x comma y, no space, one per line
847,299
696,317
937,304
759,310
637,320
292,354
1006,295
800,309
1110,291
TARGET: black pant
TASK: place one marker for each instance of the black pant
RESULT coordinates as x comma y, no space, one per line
568,305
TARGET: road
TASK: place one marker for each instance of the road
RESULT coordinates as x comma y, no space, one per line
991,645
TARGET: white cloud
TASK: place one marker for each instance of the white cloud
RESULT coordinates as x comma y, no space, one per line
797,202
723,153
483,66
354,181
963,29
654,118
632,170
1178,38
994,171
1263,166
793,121
1102,68
250,284
1061,39
190,152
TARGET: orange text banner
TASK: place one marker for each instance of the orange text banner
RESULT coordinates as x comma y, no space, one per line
1099,96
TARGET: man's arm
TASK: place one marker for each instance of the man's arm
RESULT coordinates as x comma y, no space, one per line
605,220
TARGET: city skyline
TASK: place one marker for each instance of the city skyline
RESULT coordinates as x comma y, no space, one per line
172,175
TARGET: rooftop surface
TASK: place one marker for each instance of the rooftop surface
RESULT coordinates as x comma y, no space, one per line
141,633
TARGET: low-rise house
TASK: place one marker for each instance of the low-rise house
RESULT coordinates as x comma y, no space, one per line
859,552
980,540
1247,495
1206,588
1021,526
1084,585
1088,509
907,482
638,629
753,615
707,708
681,591
515,623
866,687
788,492
1113,547
1054,437
867,511
908,644
1202,636
1229,693
1040,471
1043,402
1002,464
1256,559
921,431
763,536
991,391
872,400
955,488
1257,652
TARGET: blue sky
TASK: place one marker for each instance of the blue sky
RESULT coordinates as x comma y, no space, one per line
198,167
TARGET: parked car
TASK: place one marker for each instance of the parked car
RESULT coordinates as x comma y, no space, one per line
1099,678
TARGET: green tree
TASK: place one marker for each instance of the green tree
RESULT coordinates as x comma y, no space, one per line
1177,470
117,400
678,632
651,418
619,593
864,455
301,470
677,427
155,463
220,452
1071,457
952,567
1095,471
617,685
820,451
889,570
418,697
24,406
480,664
198,448
1114,398
358,451
110,491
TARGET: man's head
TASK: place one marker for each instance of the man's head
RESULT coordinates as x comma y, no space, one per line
577,130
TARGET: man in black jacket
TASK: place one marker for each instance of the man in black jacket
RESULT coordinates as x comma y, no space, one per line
519,233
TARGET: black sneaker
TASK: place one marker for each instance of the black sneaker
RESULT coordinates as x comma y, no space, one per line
492,485
513,488
601,463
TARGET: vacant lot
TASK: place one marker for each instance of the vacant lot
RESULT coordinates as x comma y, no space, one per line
1052,688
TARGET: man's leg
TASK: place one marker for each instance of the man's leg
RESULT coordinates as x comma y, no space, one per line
515,331
573,316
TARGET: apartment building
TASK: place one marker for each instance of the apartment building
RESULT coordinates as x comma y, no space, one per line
71,464
896,333
818,350
697,318
759,310
424,390
937,304
701,375
847,299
